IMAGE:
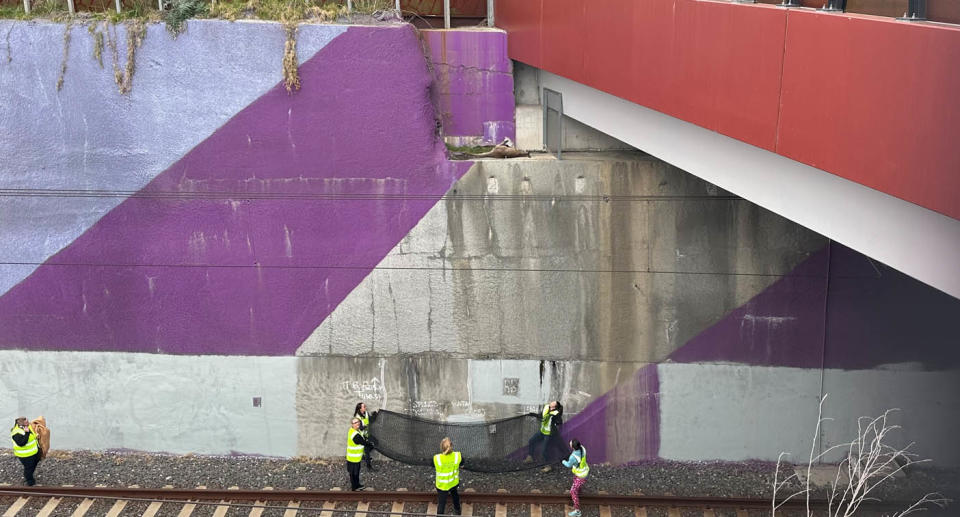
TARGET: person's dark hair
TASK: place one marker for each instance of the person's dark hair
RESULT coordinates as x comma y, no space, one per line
356,410
559,408
575,445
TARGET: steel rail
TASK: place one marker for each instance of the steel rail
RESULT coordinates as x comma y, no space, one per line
195,494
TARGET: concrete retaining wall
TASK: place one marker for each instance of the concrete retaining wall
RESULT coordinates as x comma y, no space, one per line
473,85
279,256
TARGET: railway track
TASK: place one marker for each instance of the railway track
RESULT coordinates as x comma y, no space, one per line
74,501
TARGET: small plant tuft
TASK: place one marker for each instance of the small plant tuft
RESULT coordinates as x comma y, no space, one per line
97,43
291,75
66,53
182,10
136,31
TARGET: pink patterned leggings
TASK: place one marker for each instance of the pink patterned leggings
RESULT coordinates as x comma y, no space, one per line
575,491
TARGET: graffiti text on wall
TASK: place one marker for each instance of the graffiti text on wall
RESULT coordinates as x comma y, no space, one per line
364,390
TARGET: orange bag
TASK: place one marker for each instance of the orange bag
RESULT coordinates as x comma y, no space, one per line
39,425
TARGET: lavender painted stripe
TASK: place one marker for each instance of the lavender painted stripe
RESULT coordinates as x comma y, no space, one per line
254,276
624,424
474,79
781,326
878,315
874,315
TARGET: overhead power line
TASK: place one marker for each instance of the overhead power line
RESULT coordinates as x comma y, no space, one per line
228,196
407,268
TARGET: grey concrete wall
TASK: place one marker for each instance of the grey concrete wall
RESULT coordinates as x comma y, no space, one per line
154,402
529,119
647,300
527,259
88,136
438,387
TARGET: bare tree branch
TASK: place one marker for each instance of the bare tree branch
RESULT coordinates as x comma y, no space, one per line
869,463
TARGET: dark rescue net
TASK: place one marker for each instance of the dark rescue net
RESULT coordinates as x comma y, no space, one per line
490,446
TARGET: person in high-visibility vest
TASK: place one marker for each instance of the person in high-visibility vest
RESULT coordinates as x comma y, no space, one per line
577,463
447,464
550,419
26,448
355,446
361,412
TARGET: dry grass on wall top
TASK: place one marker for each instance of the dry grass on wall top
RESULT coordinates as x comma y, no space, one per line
97,43
66,53
136,31
291,76
102,25
175,12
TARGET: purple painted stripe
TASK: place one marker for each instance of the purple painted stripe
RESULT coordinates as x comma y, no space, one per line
783,325
866,315
254,276
623,424
473,83
878,315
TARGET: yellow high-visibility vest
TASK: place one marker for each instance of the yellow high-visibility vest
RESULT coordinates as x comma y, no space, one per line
546,418
28,449
354,450
365,420
581,469
448,470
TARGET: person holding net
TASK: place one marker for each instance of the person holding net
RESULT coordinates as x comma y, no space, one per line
447,465
26,447
355,446
545,440
577,463
360,412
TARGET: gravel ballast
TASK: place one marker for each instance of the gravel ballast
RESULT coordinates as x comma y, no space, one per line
658,477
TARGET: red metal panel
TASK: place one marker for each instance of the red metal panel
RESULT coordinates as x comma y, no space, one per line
875,101
610,47
564,37
869,99
521,19
727,68
698,61
655,52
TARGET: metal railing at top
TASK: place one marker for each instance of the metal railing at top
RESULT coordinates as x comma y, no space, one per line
914,10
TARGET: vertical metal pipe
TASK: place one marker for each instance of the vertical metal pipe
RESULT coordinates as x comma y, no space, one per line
349,6
490,7
396,5
159,5
26,6
70,6
118,5
543,122
446,14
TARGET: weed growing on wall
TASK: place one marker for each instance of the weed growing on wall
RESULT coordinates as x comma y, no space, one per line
136,31
178,11
372,6
182,10
7,39
291,75
66,53
140,12
97,43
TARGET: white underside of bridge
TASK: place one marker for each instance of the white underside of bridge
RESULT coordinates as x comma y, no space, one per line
919,242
